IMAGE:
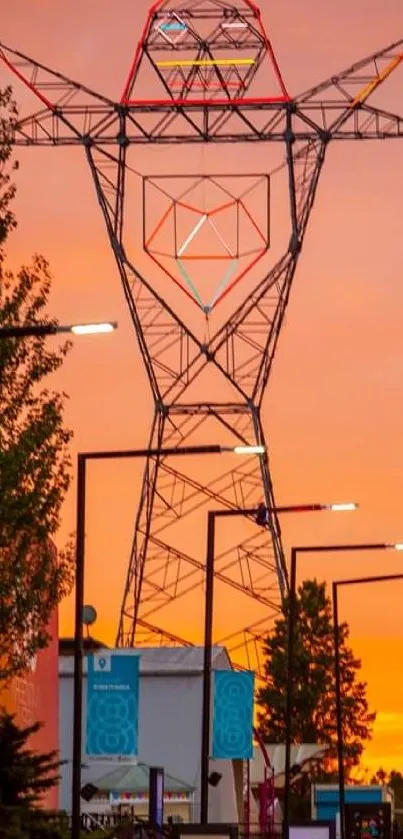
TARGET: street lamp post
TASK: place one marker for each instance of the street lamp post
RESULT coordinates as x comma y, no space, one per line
337,676
372,546
82,459
261,516
32,330
28,330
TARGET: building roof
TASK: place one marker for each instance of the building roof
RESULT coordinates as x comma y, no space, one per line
170,660
66,645
135,778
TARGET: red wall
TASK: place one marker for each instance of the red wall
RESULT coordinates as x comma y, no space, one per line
34,697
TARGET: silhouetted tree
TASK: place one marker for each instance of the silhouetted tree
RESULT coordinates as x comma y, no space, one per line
313,712
24,774
34,456
394,780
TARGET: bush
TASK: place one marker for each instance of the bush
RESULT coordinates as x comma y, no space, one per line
23,823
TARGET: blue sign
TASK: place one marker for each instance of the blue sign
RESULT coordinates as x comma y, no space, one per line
176,26
233,715
112,705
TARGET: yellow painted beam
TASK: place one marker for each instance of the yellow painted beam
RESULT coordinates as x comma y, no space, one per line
207,62
371,86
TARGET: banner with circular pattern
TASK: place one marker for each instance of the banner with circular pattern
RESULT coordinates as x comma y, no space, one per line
112,705
233,715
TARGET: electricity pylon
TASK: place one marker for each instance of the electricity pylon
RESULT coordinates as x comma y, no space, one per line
204,72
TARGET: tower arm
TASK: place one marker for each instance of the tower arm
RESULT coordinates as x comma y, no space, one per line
345,107
341,107
70,111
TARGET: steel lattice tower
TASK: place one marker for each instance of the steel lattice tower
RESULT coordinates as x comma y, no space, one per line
204,72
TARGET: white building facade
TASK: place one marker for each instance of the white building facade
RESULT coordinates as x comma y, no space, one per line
170,723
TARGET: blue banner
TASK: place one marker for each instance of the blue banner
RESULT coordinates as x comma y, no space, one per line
233,715
112,705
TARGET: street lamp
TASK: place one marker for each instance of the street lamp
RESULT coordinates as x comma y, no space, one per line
82,459
261,516
374,546
337,675
28,330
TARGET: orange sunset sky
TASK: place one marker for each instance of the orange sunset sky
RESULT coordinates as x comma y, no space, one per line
333,413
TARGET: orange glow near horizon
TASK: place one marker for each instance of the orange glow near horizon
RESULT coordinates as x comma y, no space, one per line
333,414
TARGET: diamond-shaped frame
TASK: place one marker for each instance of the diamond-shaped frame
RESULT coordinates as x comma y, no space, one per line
172,28
233,255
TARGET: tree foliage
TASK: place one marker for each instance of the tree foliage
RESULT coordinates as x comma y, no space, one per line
313,712
394,780
8,119
25,775
34,453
